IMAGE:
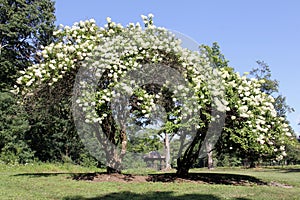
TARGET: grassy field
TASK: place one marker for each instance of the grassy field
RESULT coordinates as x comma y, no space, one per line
49,181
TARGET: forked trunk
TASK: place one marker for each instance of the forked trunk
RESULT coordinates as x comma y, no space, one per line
191,154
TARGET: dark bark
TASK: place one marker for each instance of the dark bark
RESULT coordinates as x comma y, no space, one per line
183,171
110,170
185,162
252,164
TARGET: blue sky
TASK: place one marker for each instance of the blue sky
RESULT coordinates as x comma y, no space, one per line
247,31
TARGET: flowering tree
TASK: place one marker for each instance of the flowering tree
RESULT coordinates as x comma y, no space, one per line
131,66
267,86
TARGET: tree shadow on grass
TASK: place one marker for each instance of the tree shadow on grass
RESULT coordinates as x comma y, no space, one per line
280,169
44,174
210,178
291,170
148,196
204,178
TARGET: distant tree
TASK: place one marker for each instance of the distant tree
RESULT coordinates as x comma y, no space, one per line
25,26
271,87
217,59
293,154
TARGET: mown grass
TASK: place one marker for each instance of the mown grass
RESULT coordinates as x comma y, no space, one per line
54,181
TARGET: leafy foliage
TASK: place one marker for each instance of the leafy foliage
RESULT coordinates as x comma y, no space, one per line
14,126
271,87
25,26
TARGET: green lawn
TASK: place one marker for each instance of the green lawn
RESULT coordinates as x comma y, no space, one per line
49,181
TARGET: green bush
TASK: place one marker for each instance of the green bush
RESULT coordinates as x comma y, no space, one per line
86,160
229,160
14,125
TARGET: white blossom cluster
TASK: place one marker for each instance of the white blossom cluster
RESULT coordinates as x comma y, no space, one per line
59,58
254,110
133,45
113,51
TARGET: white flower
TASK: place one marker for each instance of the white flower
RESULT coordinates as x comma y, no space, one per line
247,94
285,125
108,19
244,115
273,113
288,134
144,17
284,153
96,120
150,15
19,80
279,158
29,83
243,109
261,141
51,66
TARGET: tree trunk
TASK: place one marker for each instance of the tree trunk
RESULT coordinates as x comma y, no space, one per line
252,164
210,161
182,171
191,154
167,152
113,156
183,168
110,170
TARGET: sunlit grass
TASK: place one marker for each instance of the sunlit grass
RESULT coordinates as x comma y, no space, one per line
54,181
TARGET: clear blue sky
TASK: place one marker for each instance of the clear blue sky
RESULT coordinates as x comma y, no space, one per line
247,31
